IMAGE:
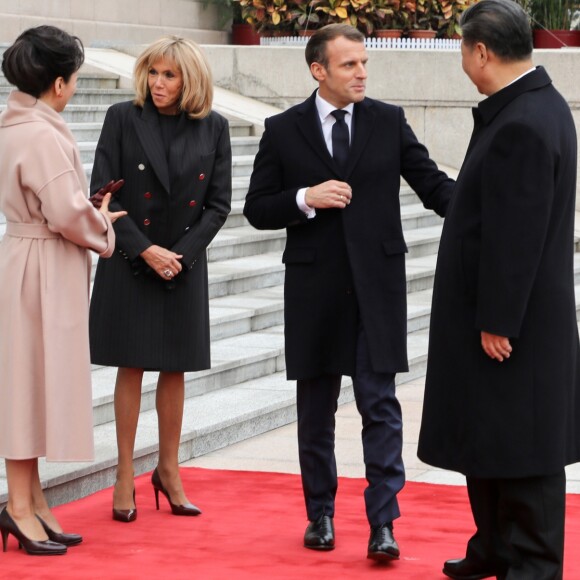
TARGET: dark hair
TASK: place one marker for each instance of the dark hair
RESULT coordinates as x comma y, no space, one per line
39,56
502,25
316,47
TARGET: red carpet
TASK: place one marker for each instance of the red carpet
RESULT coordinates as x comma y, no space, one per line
252,527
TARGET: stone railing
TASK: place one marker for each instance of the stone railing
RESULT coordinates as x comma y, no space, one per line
396,43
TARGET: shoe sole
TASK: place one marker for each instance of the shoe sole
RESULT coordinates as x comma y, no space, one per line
471,577
41,553
382,556
320,548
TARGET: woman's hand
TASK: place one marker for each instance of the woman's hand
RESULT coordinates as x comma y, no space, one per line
164,262
104,209
112,187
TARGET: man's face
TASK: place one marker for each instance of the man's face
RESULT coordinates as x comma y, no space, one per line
343,81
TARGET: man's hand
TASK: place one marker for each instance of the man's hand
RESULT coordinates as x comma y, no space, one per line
496,347
328,194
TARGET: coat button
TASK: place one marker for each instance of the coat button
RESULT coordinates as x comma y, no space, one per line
192,202
141,167
146,221
147,195
201,176
349,291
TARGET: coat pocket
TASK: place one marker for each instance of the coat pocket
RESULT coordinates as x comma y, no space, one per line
298,255
397,246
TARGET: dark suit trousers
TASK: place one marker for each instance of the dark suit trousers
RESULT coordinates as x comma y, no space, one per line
520,526
382,439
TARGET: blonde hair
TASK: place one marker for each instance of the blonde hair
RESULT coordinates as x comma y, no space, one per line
197,93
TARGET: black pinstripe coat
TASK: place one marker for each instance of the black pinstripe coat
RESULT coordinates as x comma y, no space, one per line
178,202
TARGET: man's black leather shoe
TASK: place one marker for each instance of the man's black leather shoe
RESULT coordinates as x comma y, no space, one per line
319,534
382,544
464,569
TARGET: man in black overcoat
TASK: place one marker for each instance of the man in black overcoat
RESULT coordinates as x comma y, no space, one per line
502,397
328,170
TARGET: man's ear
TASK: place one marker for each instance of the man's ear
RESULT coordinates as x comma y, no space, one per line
482,54
318,71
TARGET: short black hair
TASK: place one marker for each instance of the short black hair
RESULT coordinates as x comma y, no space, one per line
502,25
316,47
39,56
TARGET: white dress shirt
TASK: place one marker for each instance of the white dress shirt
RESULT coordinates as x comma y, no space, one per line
327,120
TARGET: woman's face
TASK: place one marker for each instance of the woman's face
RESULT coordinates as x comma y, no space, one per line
165,85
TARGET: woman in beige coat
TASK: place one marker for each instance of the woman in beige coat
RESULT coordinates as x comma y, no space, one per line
45,389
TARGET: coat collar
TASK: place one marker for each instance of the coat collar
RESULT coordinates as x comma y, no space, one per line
490,107
362,127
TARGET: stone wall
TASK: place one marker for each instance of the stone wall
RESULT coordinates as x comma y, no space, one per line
430,85
100,22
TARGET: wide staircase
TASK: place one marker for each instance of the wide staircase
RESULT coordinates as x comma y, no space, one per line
245,392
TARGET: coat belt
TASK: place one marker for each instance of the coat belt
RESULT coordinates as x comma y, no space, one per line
37,231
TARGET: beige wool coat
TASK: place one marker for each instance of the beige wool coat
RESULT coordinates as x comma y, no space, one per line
45,382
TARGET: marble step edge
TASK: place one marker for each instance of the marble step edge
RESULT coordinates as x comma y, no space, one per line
247,234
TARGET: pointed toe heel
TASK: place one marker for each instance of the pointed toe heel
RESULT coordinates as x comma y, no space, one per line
126,516
32,547
60,538
187,509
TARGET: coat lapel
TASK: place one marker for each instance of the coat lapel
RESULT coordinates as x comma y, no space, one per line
309,125
149,133
363,125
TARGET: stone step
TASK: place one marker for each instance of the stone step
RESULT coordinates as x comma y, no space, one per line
247,241
95,113
235,360
86,96
240,185
88,79
210,422
241,145
242,166
234,243
265,270
212,419
86,133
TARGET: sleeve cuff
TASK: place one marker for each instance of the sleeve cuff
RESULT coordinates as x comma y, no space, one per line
310,212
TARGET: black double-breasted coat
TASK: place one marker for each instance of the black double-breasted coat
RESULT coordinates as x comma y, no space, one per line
178,200
350,263
505,266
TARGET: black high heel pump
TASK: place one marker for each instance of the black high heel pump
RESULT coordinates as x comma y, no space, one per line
126,516
33,547
59,537
187,509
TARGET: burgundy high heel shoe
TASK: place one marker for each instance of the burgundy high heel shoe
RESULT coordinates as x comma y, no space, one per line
60,538
33,547
187,509
126,516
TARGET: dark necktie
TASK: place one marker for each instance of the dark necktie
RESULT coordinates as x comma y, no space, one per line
340,138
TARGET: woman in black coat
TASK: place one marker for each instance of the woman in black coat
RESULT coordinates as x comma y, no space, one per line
149,308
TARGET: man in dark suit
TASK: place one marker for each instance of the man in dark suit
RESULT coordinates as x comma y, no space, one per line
329,171
502,398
